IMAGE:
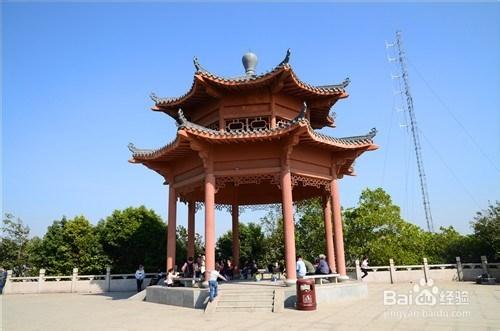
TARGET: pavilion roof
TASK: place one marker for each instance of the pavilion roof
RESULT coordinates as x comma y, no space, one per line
308,135
204,81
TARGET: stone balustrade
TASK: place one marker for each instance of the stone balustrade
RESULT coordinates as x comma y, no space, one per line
72,284
413,273
108,282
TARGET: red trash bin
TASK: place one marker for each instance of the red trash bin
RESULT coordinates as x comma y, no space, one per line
306,294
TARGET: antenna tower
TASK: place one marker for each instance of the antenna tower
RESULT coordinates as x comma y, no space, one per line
405,89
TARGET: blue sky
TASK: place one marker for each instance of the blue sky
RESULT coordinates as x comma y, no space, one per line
76,79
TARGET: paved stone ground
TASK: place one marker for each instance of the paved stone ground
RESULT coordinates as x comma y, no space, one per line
114,312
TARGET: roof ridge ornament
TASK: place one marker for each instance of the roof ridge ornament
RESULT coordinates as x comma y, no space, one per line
181,119
154,97
302,114
346,82
372,133
249,60
286,59
131,147
197,64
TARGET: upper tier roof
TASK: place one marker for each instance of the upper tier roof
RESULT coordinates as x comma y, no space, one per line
319,98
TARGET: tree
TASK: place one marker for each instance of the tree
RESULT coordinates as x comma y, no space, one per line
181,245
70,244
375,228
14,245
131,237
274,244
252,244
486,226
310,229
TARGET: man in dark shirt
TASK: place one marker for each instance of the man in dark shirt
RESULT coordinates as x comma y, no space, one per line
322,268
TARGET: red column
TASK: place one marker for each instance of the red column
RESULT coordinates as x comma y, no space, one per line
191,228
209,223
330,255
172,224
337,230
288,225
236,238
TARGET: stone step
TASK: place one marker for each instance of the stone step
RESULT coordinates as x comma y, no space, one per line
245,295
243,309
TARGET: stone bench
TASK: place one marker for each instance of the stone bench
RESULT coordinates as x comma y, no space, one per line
319,278
264,273
187,282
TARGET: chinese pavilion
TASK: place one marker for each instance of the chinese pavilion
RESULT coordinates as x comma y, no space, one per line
251,140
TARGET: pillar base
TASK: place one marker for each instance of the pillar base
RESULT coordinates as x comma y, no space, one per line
290,282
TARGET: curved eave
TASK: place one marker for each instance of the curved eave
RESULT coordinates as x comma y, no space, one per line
292,85
180,146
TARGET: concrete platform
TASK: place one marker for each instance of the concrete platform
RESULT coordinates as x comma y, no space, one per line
189,297
192,297
331,293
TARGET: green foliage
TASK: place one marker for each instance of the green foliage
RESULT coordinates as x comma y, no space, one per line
274,247
14,245
252,244
375,228
486,227
138,236
70,244
310,230
181,245
131,237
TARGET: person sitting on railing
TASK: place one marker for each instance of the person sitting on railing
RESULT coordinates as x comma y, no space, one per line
364,267
156,279
322,268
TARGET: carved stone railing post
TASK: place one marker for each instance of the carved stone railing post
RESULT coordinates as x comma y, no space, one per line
460,270
8,282
392,270
358,270
74,280
484,264
108,279
426,270
41,280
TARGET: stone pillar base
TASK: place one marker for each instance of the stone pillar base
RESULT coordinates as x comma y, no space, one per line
343,278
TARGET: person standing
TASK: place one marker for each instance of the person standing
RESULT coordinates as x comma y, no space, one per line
188,268
213,284
301,267
3,279
139,277
364,267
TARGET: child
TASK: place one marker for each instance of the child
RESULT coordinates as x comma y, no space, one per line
212,282
171,275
